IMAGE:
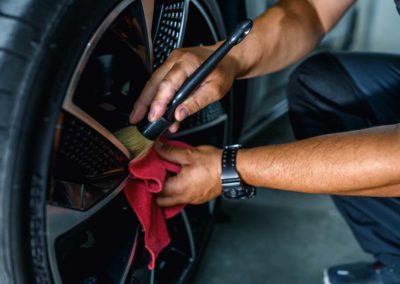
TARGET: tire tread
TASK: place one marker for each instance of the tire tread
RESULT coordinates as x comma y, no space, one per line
25,25
14,53
21,20
4,92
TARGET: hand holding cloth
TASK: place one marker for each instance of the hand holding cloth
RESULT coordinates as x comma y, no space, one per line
148,175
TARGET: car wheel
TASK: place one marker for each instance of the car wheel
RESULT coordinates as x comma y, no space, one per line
70,72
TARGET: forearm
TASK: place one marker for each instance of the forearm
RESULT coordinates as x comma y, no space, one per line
284,34
354,163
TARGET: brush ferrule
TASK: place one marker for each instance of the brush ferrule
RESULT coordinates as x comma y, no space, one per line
152,130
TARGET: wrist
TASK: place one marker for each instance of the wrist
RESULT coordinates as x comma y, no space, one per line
233,63
218,170
238,60
241,161
249,53
217,163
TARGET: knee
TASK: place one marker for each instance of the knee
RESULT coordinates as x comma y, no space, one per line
310,79
312,95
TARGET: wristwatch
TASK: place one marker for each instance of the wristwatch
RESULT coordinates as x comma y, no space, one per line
232,186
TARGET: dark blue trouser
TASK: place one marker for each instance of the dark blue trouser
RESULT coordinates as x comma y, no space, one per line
335,92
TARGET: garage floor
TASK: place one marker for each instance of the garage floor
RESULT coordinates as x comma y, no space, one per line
278,237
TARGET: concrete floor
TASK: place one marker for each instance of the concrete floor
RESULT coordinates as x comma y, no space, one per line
278,237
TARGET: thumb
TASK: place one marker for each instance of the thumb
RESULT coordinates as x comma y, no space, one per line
170,153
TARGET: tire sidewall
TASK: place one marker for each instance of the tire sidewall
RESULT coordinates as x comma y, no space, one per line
39,104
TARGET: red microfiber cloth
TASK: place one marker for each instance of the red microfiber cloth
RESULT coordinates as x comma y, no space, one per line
148,175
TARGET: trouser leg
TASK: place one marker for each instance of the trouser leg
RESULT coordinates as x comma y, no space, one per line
335,92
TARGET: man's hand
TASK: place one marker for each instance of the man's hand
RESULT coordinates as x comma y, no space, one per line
281,36
168,78
199,179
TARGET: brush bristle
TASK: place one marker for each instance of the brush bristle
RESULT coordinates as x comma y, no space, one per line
134,141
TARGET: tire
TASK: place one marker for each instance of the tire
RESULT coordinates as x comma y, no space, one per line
41,44
43,37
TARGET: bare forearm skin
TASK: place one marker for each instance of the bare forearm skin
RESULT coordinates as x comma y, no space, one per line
285,34
365,162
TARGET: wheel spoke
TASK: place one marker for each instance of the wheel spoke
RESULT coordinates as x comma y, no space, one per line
130,261
101,92
94,239
189,234
91,236
86,166
94,126
61,219
178,258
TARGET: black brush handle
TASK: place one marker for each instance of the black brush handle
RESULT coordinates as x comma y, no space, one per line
152,130
207,67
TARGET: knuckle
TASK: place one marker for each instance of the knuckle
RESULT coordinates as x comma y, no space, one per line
196,105
191,59
188,152
182,70
167,84
158,103
176,53
187,56
190,106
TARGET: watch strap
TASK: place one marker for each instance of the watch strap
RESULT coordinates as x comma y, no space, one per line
230,176
232,186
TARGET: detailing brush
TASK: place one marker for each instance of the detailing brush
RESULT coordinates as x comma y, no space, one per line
138,139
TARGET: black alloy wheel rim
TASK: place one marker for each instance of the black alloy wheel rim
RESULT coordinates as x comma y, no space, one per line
92,234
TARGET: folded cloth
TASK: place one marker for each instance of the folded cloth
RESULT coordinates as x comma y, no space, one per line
148,175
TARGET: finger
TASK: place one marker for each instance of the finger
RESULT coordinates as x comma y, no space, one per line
171,193
149,91
174,127
141,106
167,201
201,97
172,154
169,85
171,187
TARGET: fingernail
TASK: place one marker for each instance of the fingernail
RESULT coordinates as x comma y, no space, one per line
183,113
132,115
151,115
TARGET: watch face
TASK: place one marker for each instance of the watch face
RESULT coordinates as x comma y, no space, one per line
239,192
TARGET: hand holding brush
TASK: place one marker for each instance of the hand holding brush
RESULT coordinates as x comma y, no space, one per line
138,139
